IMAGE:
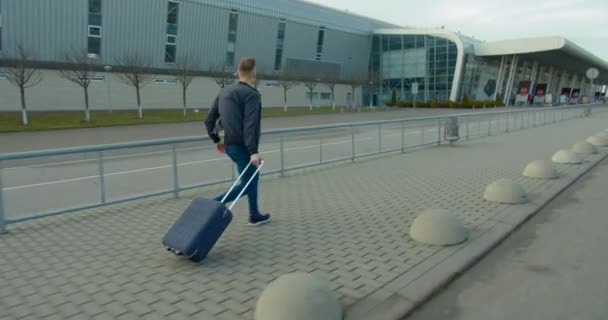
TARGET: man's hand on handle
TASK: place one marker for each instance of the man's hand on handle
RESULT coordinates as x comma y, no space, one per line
220,147
255,159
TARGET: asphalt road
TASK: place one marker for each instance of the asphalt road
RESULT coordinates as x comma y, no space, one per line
553,267
37,140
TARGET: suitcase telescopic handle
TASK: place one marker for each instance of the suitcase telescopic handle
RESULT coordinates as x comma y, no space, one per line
257,171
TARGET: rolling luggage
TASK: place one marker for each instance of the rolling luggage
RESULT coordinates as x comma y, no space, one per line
202,224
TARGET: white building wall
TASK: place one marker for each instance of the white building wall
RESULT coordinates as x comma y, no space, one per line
57,94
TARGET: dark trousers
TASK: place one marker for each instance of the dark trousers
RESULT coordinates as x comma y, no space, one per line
240,156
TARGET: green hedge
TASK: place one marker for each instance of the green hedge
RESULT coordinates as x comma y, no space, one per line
466,104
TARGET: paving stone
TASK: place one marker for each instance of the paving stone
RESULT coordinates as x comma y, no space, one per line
347,223
163,308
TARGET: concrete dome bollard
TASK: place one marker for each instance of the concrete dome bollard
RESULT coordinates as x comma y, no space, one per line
598,141
505,191
567,157
603,134
298,296
584,147
438,227
541,169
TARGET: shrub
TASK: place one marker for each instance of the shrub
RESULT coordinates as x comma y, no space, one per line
404,104
393,101
466,101
498,100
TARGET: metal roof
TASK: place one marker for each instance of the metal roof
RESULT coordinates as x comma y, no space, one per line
557,51
304,12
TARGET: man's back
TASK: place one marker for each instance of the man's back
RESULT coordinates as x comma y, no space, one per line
239,107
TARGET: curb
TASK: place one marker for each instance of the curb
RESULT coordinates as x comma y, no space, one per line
406,293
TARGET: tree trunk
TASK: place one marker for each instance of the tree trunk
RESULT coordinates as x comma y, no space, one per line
285,99
310,102
140,114
184,99
87,114
333,99
23,106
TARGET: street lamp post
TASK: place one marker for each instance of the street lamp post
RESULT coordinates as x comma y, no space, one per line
371,94
108,69
318,100
592,74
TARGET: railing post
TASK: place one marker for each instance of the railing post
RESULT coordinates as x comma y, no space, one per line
321,150
521,124
554,116
422,135
102,180
282,150
467,129
507,123
2,213
489,125
402,137
438,132
352,132
175,174
380,138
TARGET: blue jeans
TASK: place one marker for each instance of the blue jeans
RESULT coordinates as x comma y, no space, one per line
240,156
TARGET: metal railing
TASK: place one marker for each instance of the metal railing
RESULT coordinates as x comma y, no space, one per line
30,182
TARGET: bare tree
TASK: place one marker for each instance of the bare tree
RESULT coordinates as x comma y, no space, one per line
186,66
134,72
223,75
21,73
286,82
311,82
331,81
80,69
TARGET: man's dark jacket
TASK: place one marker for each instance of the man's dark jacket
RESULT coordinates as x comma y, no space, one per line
239,107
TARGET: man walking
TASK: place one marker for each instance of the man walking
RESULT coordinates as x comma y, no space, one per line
239,107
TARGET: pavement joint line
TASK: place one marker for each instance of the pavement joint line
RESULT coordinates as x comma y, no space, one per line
423,286
435,176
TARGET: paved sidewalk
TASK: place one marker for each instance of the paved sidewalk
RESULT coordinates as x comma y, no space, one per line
554,267
347,223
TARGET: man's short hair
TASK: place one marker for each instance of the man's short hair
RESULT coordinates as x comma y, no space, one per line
246,66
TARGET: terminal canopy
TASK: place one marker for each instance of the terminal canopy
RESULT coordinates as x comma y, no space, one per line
553,51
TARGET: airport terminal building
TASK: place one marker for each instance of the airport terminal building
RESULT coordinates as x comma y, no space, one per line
367,59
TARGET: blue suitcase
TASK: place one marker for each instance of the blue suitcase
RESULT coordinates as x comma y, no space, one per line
202,224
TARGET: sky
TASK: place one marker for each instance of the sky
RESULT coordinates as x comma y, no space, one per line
585,22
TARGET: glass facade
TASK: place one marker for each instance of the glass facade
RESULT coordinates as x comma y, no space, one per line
94,29
320,39
0,25
171,41
480,78
278,57
233,22
401,60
